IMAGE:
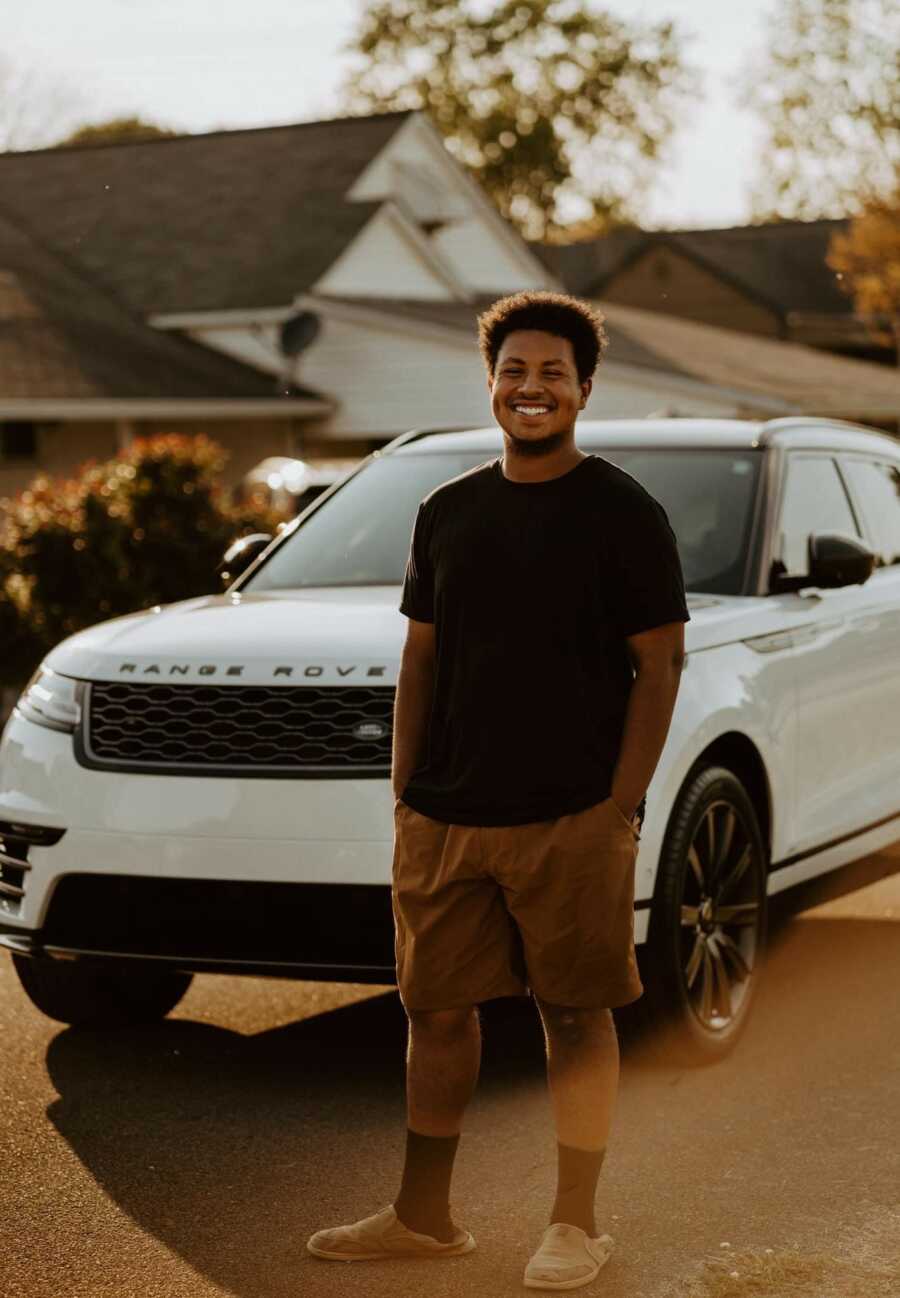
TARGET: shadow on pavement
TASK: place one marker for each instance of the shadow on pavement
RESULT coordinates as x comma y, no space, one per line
217,1143
225,1147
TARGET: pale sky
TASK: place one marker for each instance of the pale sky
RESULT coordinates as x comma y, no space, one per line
198,65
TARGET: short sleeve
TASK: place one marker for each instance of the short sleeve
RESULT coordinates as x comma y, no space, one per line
417,600
646,583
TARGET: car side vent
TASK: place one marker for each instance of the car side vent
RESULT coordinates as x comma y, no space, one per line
15,840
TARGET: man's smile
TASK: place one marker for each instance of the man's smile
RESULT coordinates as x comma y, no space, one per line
529,409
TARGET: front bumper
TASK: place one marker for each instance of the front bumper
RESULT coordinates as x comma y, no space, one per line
283,877
290,878
336,933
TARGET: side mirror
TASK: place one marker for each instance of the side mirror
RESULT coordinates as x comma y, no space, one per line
839,560
240,554
834,559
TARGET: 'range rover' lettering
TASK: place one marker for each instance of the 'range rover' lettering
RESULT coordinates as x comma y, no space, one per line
210,669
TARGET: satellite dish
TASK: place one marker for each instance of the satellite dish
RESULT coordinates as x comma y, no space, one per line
298,332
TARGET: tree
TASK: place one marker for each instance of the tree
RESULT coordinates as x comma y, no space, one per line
118,130
147,527
34,108
867,258
828,93
560,110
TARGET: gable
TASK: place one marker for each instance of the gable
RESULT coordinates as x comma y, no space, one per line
662,279
485,252
389,258
783,262
246,220
780,266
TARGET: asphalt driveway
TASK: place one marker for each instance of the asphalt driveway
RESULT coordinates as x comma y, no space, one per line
194,1158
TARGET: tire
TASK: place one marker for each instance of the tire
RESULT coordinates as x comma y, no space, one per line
100,995
708,923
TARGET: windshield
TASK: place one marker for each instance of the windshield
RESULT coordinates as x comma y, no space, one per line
361,535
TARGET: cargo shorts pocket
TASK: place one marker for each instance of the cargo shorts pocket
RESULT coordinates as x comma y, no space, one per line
620,816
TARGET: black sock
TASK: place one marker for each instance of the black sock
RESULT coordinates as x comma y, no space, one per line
579,1171
423,1203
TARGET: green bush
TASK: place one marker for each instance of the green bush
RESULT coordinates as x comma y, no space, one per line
147,527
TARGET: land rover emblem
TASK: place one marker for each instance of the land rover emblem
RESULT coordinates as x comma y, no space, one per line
369,730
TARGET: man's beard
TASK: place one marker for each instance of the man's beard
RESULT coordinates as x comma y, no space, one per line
536,447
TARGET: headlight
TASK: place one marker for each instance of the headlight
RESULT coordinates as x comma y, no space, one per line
51,700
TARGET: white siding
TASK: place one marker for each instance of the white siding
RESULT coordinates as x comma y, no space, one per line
624,393
386,381
257,347
389,381
383,262
483,262
407,168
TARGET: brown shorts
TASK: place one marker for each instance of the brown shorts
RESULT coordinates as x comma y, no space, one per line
484,911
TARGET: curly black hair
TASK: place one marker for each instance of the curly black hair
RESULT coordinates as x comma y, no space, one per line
552,313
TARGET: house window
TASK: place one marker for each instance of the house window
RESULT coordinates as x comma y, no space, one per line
18,440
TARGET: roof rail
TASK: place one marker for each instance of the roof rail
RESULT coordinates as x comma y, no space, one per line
786,422
416,433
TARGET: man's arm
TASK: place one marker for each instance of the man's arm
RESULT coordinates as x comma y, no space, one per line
658,657
412,703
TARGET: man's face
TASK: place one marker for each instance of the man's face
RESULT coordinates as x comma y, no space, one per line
535,391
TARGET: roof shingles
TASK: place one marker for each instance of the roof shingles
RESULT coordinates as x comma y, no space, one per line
63,338
208,222
782,263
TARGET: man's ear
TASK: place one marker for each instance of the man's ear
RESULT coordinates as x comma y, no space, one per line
490,383
586,388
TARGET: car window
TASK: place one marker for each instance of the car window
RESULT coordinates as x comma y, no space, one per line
876,487
708,495
814,501
360,536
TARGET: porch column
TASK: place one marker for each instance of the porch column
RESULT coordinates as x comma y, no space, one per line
125,433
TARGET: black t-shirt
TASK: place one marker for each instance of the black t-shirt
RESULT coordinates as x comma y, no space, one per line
533,587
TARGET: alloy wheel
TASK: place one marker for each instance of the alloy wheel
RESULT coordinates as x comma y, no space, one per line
721,916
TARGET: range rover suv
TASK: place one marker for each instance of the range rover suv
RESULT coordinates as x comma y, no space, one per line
205,787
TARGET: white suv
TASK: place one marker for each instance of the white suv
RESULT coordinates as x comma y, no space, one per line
205,787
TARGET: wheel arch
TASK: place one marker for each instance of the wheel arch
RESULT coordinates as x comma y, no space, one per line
740,755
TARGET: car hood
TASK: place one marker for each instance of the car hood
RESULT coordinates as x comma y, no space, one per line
347,635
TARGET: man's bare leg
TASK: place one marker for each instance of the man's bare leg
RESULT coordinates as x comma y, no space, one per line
583,1076
442,1065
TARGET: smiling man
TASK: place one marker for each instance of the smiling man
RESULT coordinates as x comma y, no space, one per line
544,649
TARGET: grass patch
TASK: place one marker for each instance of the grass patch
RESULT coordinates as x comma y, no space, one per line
860,1263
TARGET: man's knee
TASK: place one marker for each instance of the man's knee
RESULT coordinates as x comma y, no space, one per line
573,1026
443,1025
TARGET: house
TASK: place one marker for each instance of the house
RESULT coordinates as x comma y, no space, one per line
153,285
772,280
306,290
79,374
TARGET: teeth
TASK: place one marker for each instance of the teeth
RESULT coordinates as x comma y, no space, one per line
532,410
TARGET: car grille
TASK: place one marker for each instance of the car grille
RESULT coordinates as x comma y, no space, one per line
339,926
208,729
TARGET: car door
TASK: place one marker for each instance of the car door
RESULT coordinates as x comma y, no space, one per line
836,662
874,486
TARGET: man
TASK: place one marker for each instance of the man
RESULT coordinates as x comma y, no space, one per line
546,606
